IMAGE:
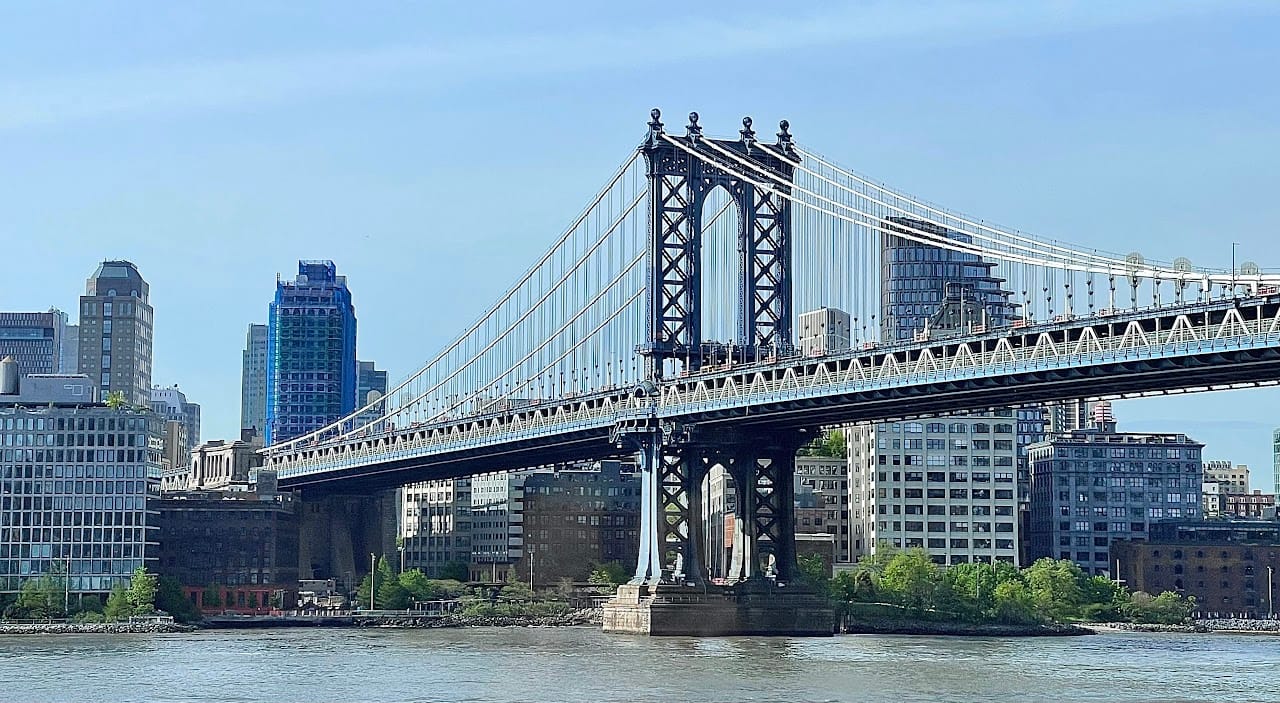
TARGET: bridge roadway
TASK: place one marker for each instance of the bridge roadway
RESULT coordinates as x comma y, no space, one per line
1198,346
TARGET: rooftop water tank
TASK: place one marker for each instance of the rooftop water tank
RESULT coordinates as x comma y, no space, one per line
9,376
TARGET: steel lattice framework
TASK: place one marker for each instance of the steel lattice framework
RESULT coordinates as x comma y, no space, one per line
602,350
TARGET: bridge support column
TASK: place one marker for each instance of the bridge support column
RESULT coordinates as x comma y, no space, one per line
671,593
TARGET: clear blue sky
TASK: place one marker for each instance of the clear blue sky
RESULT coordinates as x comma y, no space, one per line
434,149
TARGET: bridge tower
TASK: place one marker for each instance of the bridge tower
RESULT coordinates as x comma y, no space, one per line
679,184
671,592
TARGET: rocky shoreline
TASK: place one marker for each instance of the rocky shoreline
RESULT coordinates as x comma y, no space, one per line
92,628
960,629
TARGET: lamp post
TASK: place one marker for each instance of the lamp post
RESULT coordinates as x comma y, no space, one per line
1271,594
373,578
531,568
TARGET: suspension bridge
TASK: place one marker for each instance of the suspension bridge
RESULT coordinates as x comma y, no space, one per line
721,299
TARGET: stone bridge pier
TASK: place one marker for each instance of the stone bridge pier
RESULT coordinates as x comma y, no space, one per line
672,592
338,531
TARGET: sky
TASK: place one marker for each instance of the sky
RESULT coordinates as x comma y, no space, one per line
434,150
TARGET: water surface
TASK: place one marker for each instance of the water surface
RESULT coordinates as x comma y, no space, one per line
584,664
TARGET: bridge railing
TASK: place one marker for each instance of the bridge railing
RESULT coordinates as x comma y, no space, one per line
1198,328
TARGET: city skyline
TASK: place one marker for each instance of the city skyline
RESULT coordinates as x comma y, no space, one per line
1115,140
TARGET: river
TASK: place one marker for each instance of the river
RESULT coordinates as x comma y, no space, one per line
584,664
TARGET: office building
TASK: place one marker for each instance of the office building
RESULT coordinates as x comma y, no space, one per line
1069,416
822,483
311,352
116,323
435,525
371,385
497,524
172,404
1229,566
929,292
1092,487
34,339
78,481
231,550
253,380
69,363
824,331
1275,461
577,517
946,485
1234,478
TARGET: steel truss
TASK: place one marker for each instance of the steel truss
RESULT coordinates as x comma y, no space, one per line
678,186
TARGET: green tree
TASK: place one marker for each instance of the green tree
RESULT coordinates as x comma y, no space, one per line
117,607
609,573
142,592
90,604
381,577
1014,604
116,400
171,599
1102,600
912,579
1055,588
1168,608
828,444
813,572
417,586
392,596
40,597
456,571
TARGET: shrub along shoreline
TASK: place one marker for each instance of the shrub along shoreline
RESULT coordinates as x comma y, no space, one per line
903,590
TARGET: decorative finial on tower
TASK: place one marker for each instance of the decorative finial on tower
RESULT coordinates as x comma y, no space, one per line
655,127
784,138
748,134
695,131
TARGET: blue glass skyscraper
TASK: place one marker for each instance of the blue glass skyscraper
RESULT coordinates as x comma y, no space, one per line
311,352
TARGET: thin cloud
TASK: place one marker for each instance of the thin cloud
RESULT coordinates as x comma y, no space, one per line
220,85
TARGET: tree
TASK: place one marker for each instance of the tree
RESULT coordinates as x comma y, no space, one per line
1013,603
813,571
829,444
1054,586
116,400
1168,608
456,571
142,592
1102,600
380,577
392,596
118,607
609,573
91,604
171,599
912,579
40,597
417,586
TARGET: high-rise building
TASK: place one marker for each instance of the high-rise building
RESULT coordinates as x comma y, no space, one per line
497,524
34,340
1069,416
1091,487
435,525
945,485
116,323
371,385
928,291
1275,460
311,352
81,499
70,361
1234,478
578,516
823,483
253,380
171,404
